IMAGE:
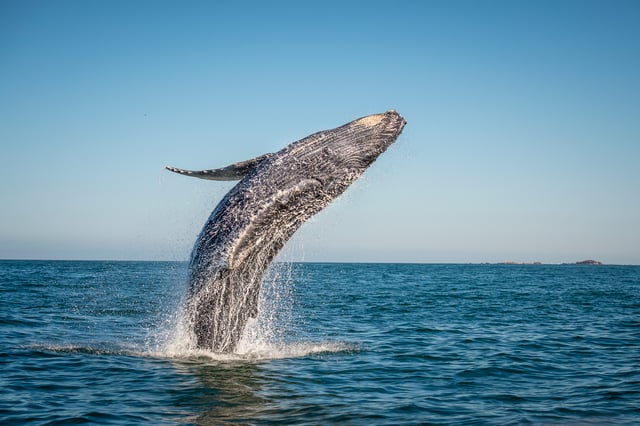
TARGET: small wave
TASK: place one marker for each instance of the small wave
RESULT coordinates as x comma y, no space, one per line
293,350
86,349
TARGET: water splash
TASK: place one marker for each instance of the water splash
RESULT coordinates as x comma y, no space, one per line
275,306
268,336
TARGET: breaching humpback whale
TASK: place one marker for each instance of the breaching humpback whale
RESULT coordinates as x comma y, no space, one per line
276,194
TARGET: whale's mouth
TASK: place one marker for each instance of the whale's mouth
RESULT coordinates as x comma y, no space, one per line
396,122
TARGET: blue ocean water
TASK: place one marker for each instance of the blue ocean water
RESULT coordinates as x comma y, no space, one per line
98,342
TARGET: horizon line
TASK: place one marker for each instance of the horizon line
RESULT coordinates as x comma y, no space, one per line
498,263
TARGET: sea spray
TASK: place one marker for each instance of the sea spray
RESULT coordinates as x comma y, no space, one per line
271,335
174,335
272,326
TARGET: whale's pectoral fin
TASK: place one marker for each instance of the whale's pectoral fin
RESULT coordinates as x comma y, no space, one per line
234,171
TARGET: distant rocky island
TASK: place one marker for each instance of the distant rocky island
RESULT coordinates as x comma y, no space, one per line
582,262
587,262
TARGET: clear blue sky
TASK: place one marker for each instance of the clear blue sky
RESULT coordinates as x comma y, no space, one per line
522,142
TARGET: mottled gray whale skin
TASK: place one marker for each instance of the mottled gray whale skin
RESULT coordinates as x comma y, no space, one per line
276,194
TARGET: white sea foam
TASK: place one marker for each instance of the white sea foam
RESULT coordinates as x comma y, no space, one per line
265,337
255,351
256,344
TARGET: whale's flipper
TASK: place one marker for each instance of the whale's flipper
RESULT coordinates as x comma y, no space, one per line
234,171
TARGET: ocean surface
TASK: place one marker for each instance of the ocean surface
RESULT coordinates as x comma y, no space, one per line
99,343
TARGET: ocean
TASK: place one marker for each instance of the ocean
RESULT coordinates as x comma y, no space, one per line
100,343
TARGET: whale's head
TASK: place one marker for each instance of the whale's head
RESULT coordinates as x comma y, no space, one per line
360,142
345,152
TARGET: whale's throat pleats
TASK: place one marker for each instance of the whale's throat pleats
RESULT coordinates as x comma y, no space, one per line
280,216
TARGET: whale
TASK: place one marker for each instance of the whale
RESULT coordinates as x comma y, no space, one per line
276,193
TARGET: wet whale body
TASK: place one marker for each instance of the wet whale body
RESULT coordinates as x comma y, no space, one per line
276,194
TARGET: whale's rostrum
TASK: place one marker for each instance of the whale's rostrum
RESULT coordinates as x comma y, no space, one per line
276,194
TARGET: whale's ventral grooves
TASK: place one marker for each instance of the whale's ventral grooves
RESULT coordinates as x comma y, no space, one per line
276,194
